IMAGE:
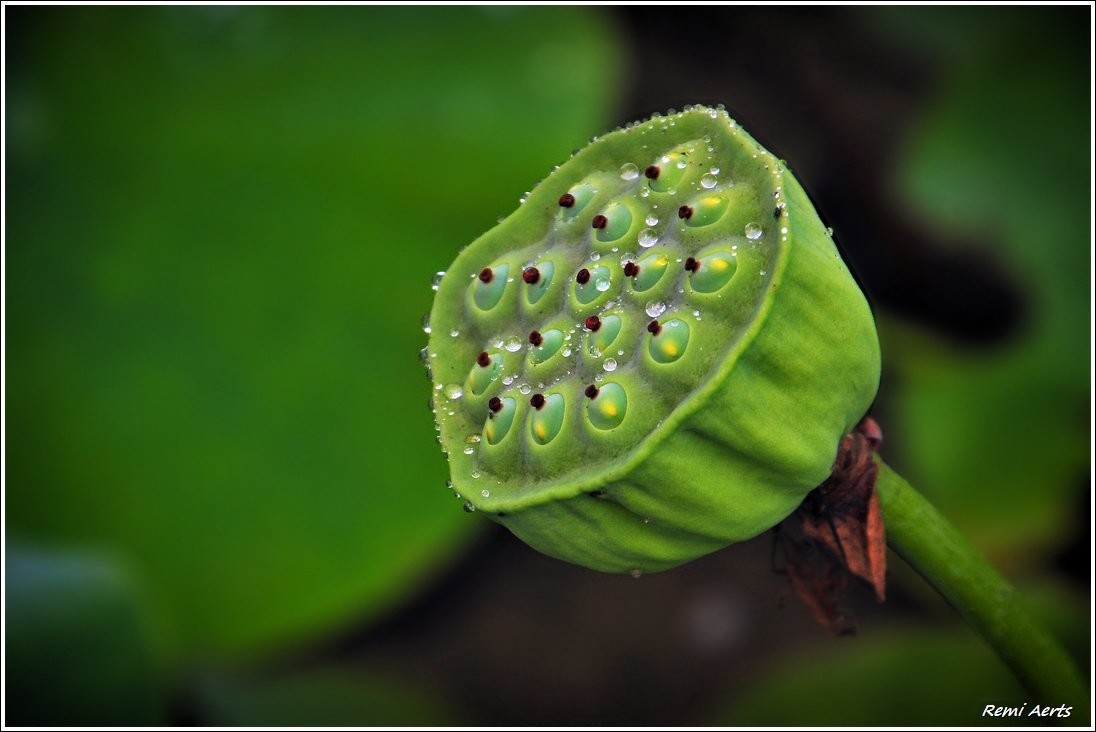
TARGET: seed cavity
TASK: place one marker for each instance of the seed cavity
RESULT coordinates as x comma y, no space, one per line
499,419
575,200
547,419
592,284
601,338
545,345
539,281
650,270
707,210
669,173
667,343
489,286
614,222
607,406
713,270
485,372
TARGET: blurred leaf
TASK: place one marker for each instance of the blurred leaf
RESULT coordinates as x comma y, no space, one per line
77,651
1000,439
221,227
326,697
912,679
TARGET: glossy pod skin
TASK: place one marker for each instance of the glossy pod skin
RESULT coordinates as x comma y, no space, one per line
656,355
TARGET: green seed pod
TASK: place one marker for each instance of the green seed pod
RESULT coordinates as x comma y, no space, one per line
663,356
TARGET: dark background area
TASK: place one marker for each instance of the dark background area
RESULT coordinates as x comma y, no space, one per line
223,503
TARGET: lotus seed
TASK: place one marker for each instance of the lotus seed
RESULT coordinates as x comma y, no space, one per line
567,200
536,338
593,323
531,275
600,221
583,276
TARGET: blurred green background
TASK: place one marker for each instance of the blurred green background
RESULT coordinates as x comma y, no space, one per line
224,504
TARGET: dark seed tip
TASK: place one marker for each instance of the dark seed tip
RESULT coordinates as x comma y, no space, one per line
567,200
631,269
495,404
536,338
486,275
484,359
685,212
593,323
591,391
652,172
778,211
537,400
583,276
531,275
600,221
691,265
654,328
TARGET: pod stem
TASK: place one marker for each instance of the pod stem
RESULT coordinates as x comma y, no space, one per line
938,552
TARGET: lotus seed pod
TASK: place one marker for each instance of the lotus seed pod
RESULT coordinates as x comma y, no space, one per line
661,350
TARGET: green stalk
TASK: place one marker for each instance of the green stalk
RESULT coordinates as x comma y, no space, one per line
931,545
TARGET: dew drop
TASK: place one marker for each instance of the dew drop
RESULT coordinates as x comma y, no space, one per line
485,493
609,365
753,231
508,380
469,507
655,308
436,282
635,573
469,450
708,181
525,389
473,438
426,323
651,220
629,171
453,391
647,237
454,333
475,474
602,284
513,344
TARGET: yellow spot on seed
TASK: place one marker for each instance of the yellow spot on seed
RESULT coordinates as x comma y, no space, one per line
610,410
540,432
490,431
670,349
719,264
